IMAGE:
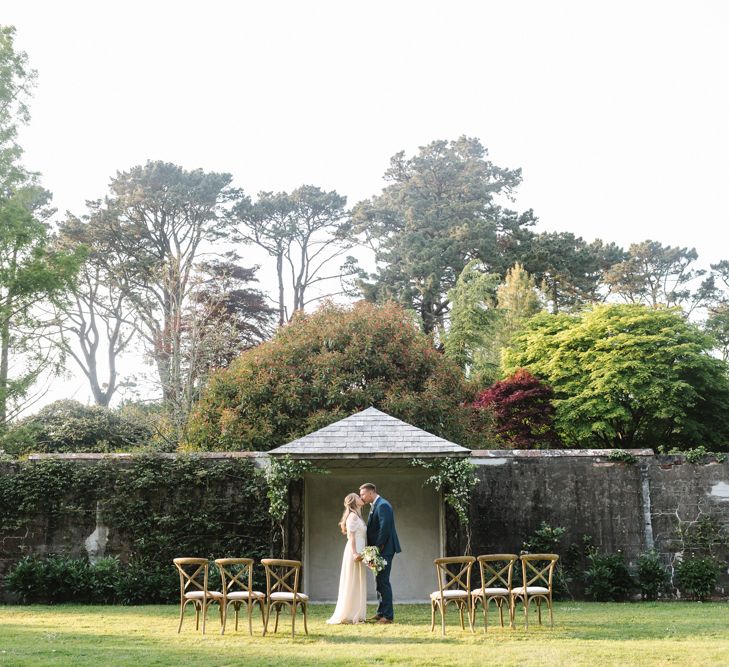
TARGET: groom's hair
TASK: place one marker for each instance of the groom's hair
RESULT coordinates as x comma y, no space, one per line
369,486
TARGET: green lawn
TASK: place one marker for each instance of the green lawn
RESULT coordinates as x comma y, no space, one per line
584,634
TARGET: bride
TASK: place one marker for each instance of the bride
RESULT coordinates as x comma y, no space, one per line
352,599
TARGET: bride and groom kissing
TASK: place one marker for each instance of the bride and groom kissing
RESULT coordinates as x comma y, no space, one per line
379,531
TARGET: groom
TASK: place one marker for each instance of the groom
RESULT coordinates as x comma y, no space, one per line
381,534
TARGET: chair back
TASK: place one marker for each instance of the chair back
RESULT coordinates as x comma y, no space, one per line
193,574
236,574
282,576
538,569
497,570
454,573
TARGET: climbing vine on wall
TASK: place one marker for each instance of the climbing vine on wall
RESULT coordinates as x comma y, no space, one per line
156,509
456,478
279,474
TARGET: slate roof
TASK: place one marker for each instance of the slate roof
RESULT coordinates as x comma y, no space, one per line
370,434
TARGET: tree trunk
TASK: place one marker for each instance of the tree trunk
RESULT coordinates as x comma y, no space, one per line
4,370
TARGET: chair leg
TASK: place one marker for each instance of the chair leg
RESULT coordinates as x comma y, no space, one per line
204,613
182,615
432,615
197,615
293,620
249,605
278,611
266,616
460,610
539,610
442,617
304,607
551,615
223,618
500,604
526,612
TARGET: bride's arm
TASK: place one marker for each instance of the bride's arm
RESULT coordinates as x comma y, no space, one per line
351,539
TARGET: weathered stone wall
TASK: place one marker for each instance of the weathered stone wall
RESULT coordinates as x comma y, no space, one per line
622,506
631,507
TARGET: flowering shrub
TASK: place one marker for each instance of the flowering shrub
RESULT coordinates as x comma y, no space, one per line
326,366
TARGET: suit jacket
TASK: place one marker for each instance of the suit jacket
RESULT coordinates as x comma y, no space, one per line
381,531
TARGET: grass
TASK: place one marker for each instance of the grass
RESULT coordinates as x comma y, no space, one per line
678,633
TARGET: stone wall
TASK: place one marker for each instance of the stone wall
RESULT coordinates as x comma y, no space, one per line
622,506
631,507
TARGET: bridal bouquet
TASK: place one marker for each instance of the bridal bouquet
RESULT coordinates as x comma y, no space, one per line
372,559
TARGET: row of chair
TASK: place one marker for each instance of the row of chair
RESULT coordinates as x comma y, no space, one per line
454,581
454,587
236,588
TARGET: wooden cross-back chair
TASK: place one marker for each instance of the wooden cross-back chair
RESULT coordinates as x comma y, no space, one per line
282,590
454,587
537,573
496,577
194,589
236,576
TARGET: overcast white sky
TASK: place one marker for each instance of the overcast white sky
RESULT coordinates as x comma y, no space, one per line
617,112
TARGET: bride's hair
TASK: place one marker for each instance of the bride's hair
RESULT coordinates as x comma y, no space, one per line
350,505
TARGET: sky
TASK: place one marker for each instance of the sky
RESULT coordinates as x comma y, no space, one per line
616,112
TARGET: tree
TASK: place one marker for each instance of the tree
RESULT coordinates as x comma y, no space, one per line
657,275
717,326
30,273
95,320
521,411
569,269
485,315
325,366
438,212
517,301
156,221
305,231
17,81
473,320
628,376
225,317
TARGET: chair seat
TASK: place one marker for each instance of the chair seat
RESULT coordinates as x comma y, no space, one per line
288,596
532,590
243,595
490,591
198,595
435,595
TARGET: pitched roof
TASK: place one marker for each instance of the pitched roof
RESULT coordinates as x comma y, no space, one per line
370,433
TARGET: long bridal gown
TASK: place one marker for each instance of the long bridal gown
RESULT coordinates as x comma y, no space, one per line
352,599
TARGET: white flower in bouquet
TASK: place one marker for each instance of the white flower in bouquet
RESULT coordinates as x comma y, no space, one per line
372,559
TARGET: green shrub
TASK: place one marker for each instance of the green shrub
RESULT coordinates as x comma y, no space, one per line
652,575
50,580
104,581
608,578
62,579
69,426
622,456
546,539
697,576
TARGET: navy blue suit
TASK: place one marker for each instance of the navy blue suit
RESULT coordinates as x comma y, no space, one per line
381,533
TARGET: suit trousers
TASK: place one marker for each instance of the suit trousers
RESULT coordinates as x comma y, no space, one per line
384,590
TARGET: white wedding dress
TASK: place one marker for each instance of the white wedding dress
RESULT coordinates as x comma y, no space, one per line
352,598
